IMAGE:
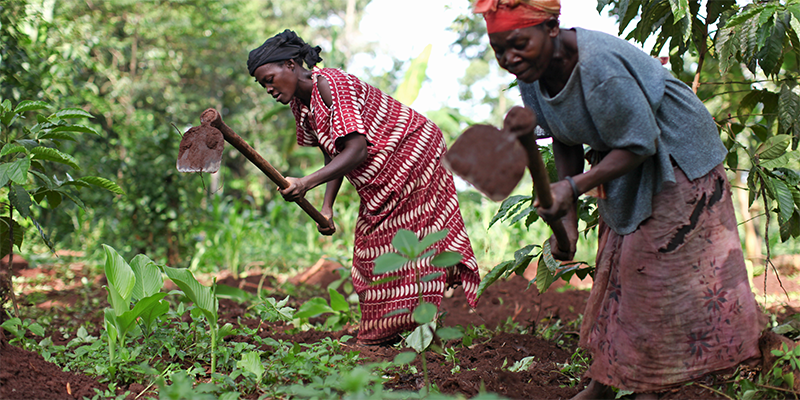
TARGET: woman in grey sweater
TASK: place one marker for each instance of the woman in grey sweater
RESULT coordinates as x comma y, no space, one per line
671,299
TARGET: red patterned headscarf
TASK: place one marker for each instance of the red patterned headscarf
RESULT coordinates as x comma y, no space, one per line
507,15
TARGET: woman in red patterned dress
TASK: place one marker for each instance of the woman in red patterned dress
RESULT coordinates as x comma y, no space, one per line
391,154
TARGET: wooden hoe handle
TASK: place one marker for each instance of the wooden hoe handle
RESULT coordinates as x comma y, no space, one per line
521,122
215,119
541,184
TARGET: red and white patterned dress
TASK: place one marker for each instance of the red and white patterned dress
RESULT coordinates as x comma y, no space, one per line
402,185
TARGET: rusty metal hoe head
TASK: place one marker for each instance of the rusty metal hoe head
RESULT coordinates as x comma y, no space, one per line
493,161
201,146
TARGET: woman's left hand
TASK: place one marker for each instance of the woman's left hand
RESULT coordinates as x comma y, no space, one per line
296,190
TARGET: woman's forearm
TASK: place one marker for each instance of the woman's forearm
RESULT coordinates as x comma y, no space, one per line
353,154
616,163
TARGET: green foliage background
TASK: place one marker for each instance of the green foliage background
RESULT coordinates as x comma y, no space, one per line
146,70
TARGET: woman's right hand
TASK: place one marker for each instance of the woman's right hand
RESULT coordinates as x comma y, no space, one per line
329,230
572,233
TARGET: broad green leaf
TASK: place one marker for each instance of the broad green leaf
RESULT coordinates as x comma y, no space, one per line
772,51
405,357
150,315
406,243
149,280
434,237
431,276
795,195
748,13
544,277
120,281
50,154
446,259
29,105
522,365
679,8
385,279
57,136
199,294
12,325
19,235
509,206
15,171
424,313
70,113
449,333
251,362
72,128
498,271
420,338
389,262
395,312
103,183
682,18
12,148
784,198
36,329
338,302
414,77
128,318
780,161
20,199
313,307
791,227
773,147
788,109
547,255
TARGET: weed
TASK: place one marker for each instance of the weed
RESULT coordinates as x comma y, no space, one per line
19,328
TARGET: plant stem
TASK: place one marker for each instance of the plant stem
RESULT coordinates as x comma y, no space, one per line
425,371
213,351
713,390
11,259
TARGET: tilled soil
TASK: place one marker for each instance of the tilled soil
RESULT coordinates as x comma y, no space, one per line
26,375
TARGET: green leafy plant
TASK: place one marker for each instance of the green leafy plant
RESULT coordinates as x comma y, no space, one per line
26,151
787,364
204,300
412,250
19,328
338,306
125,284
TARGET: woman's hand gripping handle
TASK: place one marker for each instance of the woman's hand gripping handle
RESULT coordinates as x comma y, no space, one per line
521,123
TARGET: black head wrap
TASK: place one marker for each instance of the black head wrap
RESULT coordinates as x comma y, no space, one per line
283,46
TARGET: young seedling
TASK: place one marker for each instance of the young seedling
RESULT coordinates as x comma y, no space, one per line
122,285
412,250
203,298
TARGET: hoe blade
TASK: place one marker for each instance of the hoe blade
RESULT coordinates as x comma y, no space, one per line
493,161
201,149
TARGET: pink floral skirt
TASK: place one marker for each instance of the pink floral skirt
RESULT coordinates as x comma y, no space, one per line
671,301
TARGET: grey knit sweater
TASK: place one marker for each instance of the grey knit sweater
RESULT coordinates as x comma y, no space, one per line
618,97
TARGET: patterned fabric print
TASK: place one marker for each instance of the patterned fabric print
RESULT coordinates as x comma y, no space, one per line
671,301
402,185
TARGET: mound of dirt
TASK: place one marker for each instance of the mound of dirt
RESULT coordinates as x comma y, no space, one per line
25,375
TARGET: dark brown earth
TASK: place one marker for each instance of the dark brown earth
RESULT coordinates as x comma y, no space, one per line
26,375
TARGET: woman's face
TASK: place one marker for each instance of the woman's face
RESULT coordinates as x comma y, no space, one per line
279,79
524,52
